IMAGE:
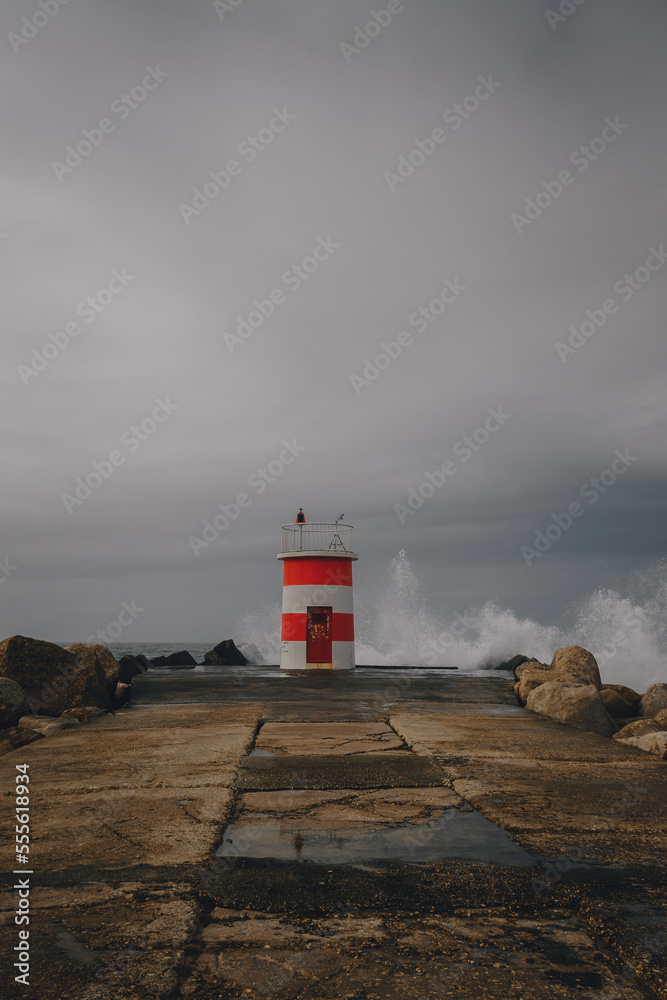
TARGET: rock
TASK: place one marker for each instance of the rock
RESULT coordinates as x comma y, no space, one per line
651,743
578,705
570,665
225,654
45,724
122,695
182,659
641,727
661,718
14,738
654,700
512,664
531,664
529,680
105,659
54,678
576,662
12,702
130,666
33,664
84,714
620,701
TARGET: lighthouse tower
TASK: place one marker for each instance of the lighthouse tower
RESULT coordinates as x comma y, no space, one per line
318,620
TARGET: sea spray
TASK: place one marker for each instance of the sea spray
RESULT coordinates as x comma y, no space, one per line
625,628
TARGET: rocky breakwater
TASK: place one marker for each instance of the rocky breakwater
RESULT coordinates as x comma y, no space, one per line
45,688
570,690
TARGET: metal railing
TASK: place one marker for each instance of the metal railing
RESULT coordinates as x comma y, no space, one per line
317,538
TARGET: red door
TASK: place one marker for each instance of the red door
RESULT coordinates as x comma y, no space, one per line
318,635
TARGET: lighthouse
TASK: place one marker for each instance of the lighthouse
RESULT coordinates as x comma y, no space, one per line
318,619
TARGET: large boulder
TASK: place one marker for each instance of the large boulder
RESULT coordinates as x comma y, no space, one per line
130,666
654,700
182,659
225,654
54,678
12,702
578,705
34,665
106,662
530,679
621,702
571,664
577,663
651,743
527,664
641,727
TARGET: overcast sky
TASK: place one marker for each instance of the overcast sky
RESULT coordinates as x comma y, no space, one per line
308,130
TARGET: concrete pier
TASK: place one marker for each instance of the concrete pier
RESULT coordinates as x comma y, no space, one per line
390,834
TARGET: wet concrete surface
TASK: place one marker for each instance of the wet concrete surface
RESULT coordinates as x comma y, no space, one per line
451,833
372,770
393,834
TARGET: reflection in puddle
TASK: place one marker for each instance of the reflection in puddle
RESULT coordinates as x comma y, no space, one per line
453,834
261,753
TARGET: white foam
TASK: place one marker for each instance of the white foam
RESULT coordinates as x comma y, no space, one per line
625,629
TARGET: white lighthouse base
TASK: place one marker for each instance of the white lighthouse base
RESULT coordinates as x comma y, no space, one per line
293,657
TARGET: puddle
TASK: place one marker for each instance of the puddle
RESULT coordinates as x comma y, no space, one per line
261,753
463,834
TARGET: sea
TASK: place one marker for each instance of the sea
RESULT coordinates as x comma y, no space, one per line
624,626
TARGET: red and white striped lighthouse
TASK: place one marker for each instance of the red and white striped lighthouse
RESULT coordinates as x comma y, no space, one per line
318,620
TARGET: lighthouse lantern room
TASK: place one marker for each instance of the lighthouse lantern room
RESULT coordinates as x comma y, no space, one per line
318,618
